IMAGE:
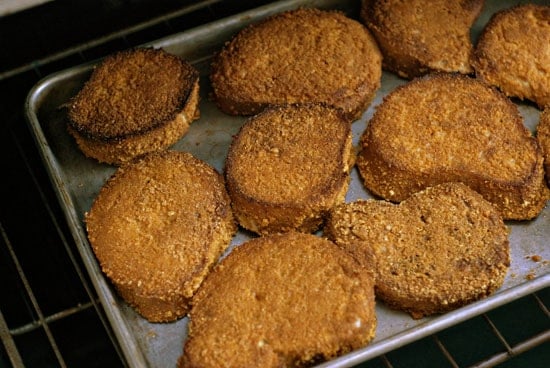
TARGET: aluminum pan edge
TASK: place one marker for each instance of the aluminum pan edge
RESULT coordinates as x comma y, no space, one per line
438,324
125,338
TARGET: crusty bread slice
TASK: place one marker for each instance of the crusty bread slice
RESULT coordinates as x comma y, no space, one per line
288,166
136,101
421,36
299,56
157,227
513,52
440,249
543,137
284,300
448,127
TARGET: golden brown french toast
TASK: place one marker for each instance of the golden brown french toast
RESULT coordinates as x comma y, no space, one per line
136,101
438,250
287,166
543,137
446,128
284,300
421,36
157,227
299,56
513,53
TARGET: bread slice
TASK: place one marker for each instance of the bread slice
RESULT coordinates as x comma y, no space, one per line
136,101
438,250
285,300
157,227
449,127
287,166
513,53
543,137
421,36
299,56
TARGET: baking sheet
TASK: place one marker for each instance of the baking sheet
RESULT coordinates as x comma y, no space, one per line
77,181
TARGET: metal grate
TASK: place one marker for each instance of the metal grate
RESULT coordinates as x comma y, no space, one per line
57,321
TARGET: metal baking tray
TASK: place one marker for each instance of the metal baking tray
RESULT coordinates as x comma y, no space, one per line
77,181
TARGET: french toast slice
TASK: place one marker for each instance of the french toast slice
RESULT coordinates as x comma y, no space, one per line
282,300
157,227
305,55
135,102
543,137
438,250
421,36
449,127
287,166
513,52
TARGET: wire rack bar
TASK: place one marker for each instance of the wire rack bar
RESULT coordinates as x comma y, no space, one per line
9,344
41,320
94,302
515,350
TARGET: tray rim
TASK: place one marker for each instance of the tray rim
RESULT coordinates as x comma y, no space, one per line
125,339
129,345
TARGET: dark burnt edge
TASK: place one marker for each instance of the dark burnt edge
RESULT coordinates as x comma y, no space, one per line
192,77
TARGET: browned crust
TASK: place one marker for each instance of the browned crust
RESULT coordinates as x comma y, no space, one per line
157,227
130,93
303,55
288,166
513,53
281,301
136,101
543,137
438,250
421,36
122,150
446,127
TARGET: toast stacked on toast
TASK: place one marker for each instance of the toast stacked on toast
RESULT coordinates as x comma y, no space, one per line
136,101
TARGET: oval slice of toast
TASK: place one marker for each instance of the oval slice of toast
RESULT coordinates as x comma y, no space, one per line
136,101
299,56
288,166
286,300
513,52
421,36
445,128
440,249
157,227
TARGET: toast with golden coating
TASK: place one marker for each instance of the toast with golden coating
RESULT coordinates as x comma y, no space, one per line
157,227
440,249
287,166
422,36
284,300
135,102
513,53
543,137
449,127
299,56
